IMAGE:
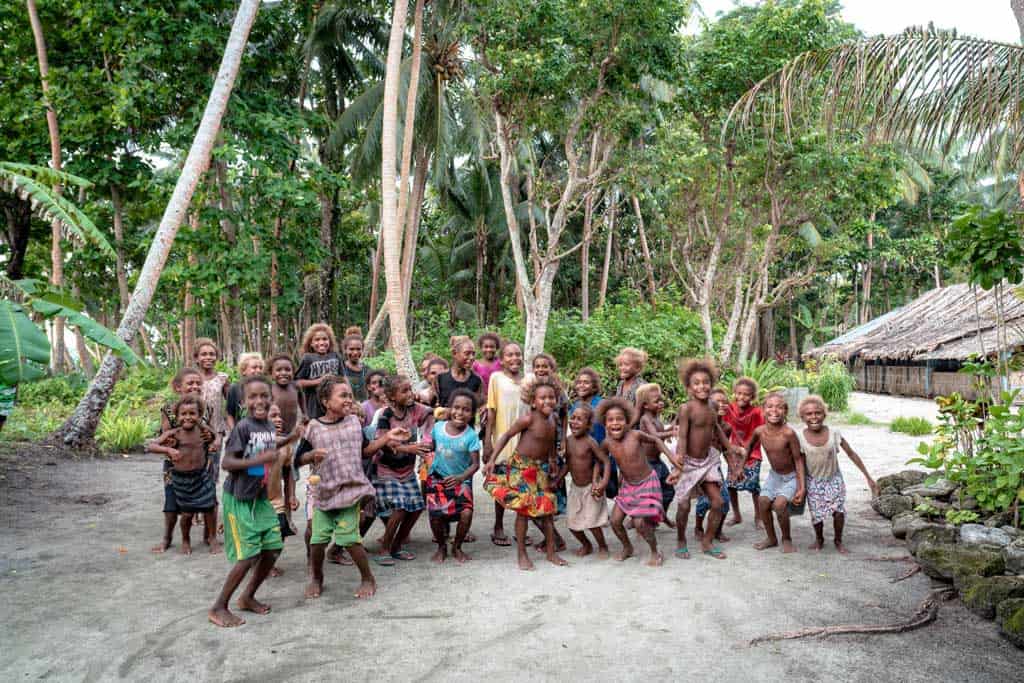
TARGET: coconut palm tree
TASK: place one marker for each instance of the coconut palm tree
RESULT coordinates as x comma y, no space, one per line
77,432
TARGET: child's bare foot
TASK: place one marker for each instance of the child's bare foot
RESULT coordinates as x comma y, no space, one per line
765,544
736,519
557,560
542,545
722,538
252,605
657,559
314,589
629,523
215,546
624,554
788,547
274,571
162,548
186,548
460,556
816,546
470,538
441,555
841,549
366,589
584,550
525,563
221,616
602,553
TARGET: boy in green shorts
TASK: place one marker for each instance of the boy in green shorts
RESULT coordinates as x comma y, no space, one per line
252,534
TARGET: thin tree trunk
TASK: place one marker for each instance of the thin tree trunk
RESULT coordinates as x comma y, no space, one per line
78,430
122,274
235,334
84,359
1018,12
732,328
869,267
481,260
275,288
390,226
375,281
188,332
56,253
412,224
323,286
588,224
612,213
648,266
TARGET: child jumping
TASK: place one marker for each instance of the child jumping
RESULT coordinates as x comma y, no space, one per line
826,490
639,491
524,487
251,529
785,483
587,463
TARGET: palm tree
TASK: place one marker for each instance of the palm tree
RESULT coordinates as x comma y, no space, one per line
926,88
77,432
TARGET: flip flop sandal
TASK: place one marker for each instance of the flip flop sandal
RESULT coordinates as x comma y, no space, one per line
715,552
404,555
470,538
343,559
502,542
384,560
682,553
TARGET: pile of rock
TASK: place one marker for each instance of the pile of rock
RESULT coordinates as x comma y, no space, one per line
985,562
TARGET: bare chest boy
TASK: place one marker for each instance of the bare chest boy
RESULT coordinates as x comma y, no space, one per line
627,453
581,459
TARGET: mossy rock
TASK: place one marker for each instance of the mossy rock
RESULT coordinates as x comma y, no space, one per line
950,562
902,523
891,505
1010,616
922,531
982,595
895,483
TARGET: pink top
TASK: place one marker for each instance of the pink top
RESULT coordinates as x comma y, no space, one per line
485,370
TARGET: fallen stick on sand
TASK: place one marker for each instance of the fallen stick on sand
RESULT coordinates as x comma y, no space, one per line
925,615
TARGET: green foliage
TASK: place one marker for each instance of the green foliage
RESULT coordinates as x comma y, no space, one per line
978,446
961,516
65,389
989,244
121,431
927,509
833,382
32,423
769,375
915,426
24,348
857,419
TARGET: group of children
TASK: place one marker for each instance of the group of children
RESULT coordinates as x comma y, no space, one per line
379,447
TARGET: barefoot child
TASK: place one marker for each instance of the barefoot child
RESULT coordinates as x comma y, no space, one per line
721,402
785,483
524,486
319,359
544,365
743,417
251,529
630,362
650,403
214,391
188,381
288,400
249,365
276,492
334,445
587,463
639,491
186,447
449,483
699,461
504,407
826,490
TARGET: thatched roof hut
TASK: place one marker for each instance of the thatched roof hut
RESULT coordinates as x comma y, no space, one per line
929,337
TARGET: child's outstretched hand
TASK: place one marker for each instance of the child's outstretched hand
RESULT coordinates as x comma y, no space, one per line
397,436
206,434
318,455
674,476
596,491
874,487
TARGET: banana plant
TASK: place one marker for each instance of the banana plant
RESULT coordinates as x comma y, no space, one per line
24,348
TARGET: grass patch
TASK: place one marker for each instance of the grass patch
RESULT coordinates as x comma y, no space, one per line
855,418
32,423
915,426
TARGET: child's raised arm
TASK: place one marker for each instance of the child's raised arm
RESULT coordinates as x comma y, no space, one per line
860,465
517,427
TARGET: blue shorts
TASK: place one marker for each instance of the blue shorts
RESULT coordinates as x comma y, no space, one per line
779,485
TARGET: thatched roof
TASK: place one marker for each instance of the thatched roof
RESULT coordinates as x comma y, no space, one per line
942,324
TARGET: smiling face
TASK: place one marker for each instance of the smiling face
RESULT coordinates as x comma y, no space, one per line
615,422
544,400
699,387
321,343
579,422
340,402
253,367
257,400
192,383
721,402
434,369
655,403
584,386
512,359
461,411
542,367
775,410
628,368
489,349
283,372
375,387
402,395
743,396
464,355
274,415
813,415
206,357
354,351
188,416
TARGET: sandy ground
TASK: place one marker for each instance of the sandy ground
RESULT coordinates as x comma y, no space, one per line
85,600
884,408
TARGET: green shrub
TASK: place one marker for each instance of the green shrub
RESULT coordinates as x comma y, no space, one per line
769,375
833,382
121,430
915,426
856,419
63,389
32,423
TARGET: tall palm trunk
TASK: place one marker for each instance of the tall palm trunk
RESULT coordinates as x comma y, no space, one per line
389,218
122,273
56,254
79,429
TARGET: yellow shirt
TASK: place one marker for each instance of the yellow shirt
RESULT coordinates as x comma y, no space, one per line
503,397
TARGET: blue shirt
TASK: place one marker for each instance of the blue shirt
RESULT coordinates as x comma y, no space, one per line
452,453
596,429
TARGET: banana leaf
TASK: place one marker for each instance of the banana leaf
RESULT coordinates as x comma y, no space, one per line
24,348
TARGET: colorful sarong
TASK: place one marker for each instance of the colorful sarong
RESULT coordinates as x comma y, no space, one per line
668,491
641,499
560,494
697,472
445,503
751,479
194,490
704,503
826,496
585,511
523,488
